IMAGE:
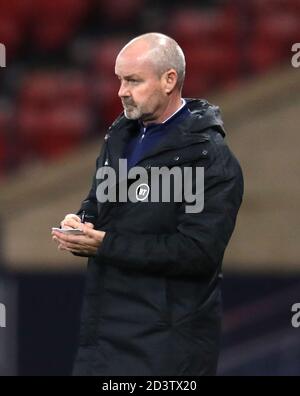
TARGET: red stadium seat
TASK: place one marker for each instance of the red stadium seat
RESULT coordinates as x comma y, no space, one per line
54,111
14,20
10,35
55,22
217,62
196,86
53,34
264,7
66,128
40,89
75,89
17,10
106,99
192,25
44,89
104,55
230,27
273,38
68,9
52,132
261,57
278,28
116,11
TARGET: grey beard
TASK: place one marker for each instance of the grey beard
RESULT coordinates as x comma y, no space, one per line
132,115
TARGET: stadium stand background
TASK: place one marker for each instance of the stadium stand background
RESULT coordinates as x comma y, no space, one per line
58,94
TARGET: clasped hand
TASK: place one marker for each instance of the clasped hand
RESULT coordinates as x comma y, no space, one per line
85,245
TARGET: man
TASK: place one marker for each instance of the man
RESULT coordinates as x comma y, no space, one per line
152,303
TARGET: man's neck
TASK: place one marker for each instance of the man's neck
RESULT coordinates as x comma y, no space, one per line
183,103
170,110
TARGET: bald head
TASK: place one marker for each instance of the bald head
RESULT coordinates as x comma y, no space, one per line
161,51
151,71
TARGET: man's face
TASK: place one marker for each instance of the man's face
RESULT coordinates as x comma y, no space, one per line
141,89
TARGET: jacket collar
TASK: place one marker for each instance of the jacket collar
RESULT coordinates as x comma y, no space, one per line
189,131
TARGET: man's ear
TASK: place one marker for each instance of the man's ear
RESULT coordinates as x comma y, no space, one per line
170,80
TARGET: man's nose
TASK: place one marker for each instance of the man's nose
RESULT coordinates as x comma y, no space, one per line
123,91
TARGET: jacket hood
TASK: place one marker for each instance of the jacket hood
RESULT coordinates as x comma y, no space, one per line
205,115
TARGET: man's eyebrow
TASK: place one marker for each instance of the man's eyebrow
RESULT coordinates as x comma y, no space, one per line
129,76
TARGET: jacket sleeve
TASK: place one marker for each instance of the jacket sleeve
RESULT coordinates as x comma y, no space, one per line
197,247
89,204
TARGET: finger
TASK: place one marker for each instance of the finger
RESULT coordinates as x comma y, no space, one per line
66,249
72,216
57,239
91,225
68,217
73,250
74,246
69,238
62,246
72,223
56,236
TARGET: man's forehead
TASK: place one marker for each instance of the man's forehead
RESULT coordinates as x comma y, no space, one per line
129,65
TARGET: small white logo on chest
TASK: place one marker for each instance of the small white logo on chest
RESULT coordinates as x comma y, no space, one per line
142,192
